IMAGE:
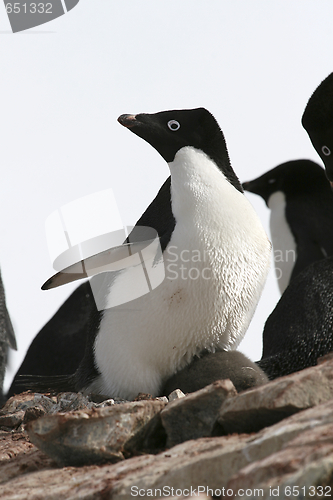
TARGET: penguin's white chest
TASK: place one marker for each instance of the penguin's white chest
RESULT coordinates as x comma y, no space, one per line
215,263
283,241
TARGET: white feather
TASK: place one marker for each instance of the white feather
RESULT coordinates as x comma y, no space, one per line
283,241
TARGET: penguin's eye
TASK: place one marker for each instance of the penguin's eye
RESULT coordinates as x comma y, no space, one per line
326,151
173,125
271,181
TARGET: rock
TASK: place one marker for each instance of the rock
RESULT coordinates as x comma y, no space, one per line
71,401
212,366
194,416
176,394
91,436
18,456
33,413
19,402
12,420
208,463
302,468
263,406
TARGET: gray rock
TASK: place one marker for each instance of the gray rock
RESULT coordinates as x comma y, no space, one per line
302,468
91,436
71,401
210,463
19,402
194,416
263,406
12,420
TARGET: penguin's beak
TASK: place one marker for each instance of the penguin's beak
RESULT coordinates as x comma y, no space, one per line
127,120
248,186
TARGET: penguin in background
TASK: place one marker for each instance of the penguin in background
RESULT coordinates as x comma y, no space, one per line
201,210
59,346
301,203
300,328
317,120
7,337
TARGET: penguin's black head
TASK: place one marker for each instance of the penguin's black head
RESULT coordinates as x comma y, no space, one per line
170,131
318,122
293,178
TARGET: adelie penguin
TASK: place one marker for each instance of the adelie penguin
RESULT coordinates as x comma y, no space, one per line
203,221
301,203
318,122
7,337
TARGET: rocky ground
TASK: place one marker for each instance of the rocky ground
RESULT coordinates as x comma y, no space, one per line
273,441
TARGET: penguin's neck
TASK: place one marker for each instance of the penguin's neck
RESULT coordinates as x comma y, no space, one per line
283,241
199,189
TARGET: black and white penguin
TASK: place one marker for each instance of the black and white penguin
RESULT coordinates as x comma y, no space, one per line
204,222
318,122
300,329
301,203
7,337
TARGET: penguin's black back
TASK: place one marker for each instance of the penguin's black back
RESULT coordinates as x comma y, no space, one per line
59,346
300,329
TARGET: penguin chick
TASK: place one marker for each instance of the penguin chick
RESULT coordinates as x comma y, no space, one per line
301,203
220,365
216,257
300,329
318,122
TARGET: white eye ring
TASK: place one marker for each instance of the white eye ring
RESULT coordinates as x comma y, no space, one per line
173,125
326,151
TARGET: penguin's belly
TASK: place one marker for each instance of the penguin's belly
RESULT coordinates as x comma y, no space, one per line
283,241
206,301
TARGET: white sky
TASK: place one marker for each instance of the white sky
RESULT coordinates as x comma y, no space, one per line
63,84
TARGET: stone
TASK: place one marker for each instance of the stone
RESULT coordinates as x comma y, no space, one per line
262,406
302,468
195,415
176,394
18,456
91,436
12,420
209,463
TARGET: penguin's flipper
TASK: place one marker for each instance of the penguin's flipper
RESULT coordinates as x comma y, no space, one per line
51,383
113,259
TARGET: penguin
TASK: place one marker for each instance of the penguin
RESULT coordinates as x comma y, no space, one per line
7,337
216,257
220,365
59,346
301,203
300,328
317,120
